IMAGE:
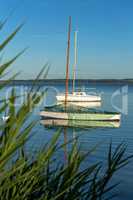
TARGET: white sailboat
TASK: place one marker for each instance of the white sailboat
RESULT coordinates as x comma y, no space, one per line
76,113
77,97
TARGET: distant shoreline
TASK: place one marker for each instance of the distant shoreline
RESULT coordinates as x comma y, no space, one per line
62,81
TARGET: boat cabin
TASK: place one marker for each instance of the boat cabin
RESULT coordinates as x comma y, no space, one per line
80,93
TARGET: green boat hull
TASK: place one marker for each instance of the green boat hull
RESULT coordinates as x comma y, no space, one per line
81,116
79,113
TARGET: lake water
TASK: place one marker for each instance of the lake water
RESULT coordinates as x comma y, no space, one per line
115,98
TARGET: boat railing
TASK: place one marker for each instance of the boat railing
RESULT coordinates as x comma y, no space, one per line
90,91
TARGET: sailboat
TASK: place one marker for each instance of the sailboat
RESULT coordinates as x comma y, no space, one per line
67,112
80,98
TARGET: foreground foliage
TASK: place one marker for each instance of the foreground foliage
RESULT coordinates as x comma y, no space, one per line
44,178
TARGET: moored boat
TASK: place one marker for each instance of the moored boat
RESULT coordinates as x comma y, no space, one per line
76,96
72,112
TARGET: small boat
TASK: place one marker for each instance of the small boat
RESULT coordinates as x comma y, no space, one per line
89,116
50,123
77,96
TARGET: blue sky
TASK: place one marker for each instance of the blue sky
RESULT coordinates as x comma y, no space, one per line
105,36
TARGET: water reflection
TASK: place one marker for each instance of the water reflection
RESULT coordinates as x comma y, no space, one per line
65,145
67,141
49,123
83,104
75,126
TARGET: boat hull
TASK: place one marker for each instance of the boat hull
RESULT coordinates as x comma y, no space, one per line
81,116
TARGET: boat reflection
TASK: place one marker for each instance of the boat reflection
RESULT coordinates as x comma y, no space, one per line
49,123
67,142
83,104
65,145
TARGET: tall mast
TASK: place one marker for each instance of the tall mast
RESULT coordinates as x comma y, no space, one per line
75,61
67,61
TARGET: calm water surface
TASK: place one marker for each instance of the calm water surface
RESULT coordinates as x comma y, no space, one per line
90,137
